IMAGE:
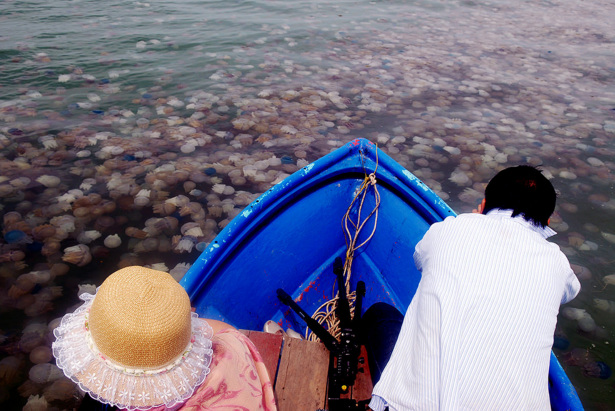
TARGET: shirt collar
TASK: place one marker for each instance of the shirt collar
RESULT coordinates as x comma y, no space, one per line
545,232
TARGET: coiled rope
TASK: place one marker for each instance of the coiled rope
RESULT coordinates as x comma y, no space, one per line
325,314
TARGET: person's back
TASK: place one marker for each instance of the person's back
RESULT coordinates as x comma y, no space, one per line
479,330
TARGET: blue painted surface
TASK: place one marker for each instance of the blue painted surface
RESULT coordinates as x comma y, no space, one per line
289,237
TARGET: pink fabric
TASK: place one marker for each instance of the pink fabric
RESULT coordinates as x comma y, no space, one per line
238,379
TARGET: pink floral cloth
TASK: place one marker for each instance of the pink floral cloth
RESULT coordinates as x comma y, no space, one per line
238,379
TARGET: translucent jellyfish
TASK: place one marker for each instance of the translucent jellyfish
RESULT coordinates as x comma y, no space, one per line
48,141
12,256
23,285
586,323
43,232
201,246
568,175
608,237
188,148
32,337
29,388
43,373
41,354
12,217
135,232
605,305
179,201
214,211
158,267
86,237
573,313
112,241
41,304
64,222
192,229
190,208
166,224
36,403
86,288
609,279
597,369
179,270
62,389
49,181
17,237
242,124
59,269
147,245
185,244
165,208
10,368
79,255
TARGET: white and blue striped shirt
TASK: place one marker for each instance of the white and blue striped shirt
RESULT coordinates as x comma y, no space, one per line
479,330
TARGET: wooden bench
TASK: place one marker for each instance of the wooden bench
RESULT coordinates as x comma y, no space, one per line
298,369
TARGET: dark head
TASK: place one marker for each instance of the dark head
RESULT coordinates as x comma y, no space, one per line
524,190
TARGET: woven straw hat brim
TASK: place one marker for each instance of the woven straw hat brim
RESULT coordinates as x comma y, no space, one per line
109,385
174,363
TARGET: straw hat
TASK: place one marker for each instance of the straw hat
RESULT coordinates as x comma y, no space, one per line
135,344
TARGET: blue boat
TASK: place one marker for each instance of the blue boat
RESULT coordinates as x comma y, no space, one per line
290,236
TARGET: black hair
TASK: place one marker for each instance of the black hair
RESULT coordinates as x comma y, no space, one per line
523,189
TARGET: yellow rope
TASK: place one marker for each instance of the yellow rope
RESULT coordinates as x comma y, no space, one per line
325,314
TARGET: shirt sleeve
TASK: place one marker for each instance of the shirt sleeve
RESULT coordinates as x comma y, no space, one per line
572,286
421,249
377,403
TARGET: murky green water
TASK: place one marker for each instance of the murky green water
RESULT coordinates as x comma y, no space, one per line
118,97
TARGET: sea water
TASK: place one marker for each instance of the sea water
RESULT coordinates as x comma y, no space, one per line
113,113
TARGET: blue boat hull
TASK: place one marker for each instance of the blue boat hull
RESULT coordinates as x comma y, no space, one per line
289,237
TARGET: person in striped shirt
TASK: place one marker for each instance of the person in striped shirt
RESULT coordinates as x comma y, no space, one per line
479,330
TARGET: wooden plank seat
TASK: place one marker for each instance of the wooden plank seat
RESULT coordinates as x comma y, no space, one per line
298,369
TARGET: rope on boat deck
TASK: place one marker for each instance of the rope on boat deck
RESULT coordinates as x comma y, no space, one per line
325,314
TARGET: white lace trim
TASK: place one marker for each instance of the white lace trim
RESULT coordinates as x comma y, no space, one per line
125,388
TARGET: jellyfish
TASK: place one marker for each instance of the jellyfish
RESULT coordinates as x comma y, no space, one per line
184,244
43,373
17,237
192,229
12,256
86,237
62,389
59,269
605,305
165,208
179,270
23,285
43,232
573,313
79,255
36,403
41,304
112,241
33,336
134,232
586,323
10,368
581,272
49,181
41,354
609,279
597,369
